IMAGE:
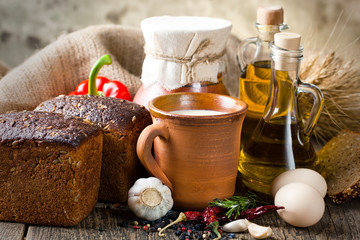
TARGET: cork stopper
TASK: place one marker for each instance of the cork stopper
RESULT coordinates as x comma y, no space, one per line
270,15
287,40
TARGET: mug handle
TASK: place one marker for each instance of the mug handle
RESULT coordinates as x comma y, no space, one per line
143,149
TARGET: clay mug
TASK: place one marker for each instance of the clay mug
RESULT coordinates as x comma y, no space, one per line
196,156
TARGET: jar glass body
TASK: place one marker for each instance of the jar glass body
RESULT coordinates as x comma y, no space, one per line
254,82
144,95
281,141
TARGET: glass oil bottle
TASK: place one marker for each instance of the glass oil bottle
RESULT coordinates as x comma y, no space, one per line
281,141
254,82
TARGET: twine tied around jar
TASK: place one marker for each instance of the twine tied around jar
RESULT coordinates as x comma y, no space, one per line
189,62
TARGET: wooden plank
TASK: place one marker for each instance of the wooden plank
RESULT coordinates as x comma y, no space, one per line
12,230
102,223
346,218
339,222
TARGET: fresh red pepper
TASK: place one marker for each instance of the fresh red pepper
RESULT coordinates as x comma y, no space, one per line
97,85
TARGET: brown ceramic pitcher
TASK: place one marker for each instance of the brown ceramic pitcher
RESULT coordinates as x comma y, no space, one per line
196,156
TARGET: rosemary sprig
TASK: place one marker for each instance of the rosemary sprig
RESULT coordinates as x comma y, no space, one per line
237,204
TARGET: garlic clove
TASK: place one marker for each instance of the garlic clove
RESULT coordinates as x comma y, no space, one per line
236,226
259,232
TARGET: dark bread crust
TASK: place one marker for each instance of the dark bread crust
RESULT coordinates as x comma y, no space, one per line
38,126
347,194
52,178
122,122
111,114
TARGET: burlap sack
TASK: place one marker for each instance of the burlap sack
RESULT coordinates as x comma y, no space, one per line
3,69
59,67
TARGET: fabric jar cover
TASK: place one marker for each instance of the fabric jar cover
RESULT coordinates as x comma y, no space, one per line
182,50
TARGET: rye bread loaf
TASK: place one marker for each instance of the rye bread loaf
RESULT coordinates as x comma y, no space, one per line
49,168
339,163
122,122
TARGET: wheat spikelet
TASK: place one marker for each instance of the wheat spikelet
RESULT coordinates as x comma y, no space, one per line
337,74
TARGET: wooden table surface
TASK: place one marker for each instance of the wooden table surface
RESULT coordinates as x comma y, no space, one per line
339,222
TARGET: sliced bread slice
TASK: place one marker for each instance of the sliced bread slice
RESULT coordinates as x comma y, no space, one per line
339,162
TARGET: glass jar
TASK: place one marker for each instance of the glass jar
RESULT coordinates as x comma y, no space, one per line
183,54
281,141
255,65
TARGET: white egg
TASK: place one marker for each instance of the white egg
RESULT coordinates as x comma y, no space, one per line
303,175
304,206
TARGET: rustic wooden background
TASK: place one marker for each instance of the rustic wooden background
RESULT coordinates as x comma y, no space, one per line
339,222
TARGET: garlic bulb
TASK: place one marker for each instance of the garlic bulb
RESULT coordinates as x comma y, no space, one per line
150,199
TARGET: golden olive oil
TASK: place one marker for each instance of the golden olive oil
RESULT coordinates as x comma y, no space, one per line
277,149
254,90
278,142
254,87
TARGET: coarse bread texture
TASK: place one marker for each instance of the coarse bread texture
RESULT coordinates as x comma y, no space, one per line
49,168
339,162
122,122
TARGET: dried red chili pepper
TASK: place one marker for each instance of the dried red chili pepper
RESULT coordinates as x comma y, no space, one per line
97,85
212,214
193,215
253,213
250,214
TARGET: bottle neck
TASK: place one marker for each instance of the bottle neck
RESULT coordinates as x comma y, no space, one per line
282,103
285,60
265,38
267,32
